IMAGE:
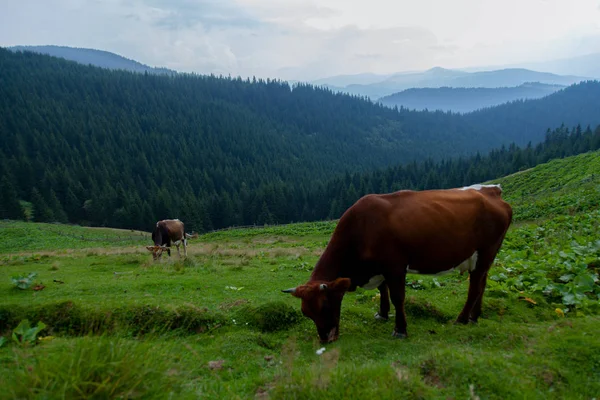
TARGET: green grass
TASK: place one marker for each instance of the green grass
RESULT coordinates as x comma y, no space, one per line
21,237
563,186
217,326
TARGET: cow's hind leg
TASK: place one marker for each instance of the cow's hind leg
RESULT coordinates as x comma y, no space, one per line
477,282
184,247
397,287
476,311
384,303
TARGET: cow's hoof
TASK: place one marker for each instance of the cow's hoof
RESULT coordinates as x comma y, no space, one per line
465,322
380,317
399,335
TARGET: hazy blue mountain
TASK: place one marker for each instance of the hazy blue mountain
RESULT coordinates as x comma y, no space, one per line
441,77
512,77
465,99
345,80
587,65
522,121
98,58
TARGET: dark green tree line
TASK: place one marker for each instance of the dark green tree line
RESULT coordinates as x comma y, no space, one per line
111,148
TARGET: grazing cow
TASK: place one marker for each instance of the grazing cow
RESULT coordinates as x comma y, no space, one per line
382,237
167,232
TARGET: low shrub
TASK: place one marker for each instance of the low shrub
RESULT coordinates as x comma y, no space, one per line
271,316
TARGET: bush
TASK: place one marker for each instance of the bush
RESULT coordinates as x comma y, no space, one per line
271,316
145,319
67,318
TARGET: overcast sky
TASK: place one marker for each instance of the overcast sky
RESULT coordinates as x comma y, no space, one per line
302,39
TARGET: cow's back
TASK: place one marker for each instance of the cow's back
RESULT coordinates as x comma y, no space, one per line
424,228
170,230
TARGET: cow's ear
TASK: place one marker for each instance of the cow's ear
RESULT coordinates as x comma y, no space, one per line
150,248
340,285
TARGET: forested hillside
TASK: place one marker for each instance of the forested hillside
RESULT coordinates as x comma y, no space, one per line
92,146
522,121
462,171
124,149
98,58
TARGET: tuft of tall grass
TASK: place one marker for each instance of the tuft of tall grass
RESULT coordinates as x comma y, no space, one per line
89,367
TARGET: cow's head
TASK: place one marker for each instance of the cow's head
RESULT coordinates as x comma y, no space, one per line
322,302
156,251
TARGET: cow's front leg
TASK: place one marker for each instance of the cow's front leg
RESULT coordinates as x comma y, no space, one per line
397,287
384,303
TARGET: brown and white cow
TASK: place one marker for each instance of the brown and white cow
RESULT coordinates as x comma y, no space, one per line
382,237
166,233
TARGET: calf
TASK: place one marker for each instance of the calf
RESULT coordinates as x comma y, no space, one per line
167,232
382,237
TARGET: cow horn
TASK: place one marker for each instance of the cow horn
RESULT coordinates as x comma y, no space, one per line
290,290
322,287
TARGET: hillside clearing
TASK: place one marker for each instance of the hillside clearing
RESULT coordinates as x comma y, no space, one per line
216,325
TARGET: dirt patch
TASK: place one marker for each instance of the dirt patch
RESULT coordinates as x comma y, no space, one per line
232,304
402,371
430,374
217,364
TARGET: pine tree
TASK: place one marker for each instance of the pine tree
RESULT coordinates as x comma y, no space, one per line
56,208
10,207
41,211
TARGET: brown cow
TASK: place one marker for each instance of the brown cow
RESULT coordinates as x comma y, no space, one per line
167,232
382,237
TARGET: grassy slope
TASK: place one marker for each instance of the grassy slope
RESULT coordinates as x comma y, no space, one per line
562,186
26,237
159,325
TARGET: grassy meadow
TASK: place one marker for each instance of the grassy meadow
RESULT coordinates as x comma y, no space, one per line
215,325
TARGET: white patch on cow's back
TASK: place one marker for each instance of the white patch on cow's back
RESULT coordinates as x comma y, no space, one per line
479,186
468,265
374,282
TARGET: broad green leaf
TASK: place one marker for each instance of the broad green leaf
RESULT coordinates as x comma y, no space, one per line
25,334
566,278
562,254
568,299
584,282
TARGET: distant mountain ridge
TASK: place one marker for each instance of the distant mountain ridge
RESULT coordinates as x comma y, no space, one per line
465,100
522,121
440,77
582,65
98,58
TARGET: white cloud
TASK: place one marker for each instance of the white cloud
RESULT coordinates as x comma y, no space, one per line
304,39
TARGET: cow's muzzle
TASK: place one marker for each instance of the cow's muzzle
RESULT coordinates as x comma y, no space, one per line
332,336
